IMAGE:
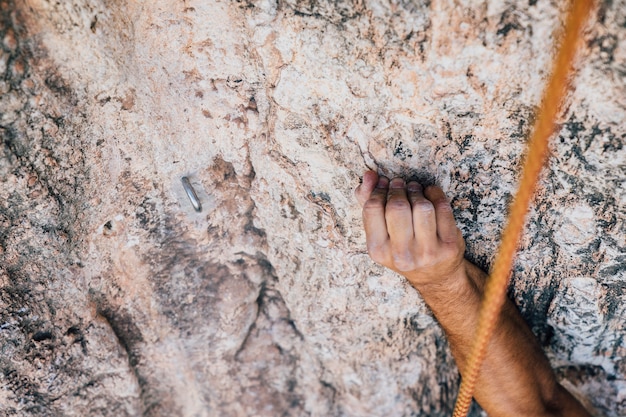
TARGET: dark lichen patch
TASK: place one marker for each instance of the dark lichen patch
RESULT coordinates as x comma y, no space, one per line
615,269
150,217
42,335
78,336
234,81
323,196
335,11
288,209
604,47
400,151
580,137
42,160
508,22
465,143
35,139
57,85
32,399
535,309
611,306
93,24
523,118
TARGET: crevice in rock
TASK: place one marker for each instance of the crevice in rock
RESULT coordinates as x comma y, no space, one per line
126,331
267,298
252,327
130,338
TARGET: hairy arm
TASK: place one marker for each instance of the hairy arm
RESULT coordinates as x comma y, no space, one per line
412,231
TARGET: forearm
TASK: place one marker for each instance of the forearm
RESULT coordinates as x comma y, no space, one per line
516,378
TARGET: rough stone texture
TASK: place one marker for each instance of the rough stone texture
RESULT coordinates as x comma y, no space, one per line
118,299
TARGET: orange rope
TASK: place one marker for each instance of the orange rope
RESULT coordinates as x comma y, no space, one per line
497,283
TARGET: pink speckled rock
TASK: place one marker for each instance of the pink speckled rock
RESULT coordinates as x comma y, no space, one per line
117,298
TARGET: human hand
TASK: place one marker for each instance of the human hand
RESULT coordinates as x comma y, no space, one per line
411,230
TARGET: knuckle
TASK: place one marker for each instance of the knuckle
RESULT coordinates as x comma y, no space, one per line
398,204
455,238
378,253
423,206
380,191
373,204
450,251
428,256
403,262
414,187
443,205
432,189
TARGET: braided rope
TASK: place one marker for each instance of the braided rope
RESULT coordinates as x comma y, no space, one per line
497,283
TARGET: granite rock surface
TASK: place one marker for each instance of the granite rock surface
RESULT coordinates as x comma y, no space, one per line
117,298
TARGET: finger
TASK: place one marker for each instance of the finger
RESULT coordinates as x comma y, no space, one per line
446,226
374,221
399,224
424,220
398,212
363,191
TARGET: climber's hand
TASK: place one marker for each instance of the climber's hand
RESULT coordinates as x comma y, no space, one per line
411,230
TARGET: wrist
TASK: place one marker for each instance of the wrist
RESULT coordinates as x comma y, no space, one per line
448,292
439,279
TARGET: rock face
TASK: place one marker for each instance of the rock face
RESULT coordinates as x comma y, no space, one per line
117,298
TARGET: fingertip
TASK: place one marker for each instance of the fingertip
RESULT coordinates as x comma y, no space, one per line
370,176
397,183
414,186
435,194
446,224
368,183
437,197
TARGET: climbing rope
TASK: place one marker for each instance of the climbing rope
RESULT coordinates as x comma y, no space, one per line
497,283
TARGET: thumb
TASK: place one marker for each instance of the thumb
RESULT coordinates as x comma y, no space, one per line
363,191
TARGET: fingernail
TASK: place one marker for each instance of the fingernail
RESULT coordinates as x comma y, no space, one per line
382,182
397,183
414,186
